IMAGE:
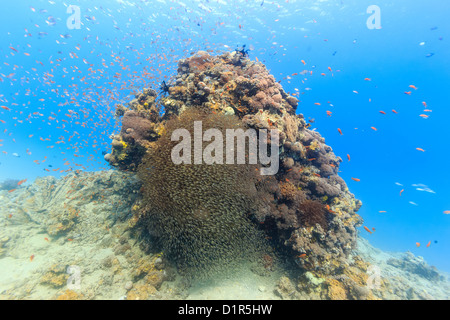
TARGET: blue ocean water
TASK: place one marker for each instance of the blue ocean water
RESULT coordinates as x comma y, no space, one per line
59,87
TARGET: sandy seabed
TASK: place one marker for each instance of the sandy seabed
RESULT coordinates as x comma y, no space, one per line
70,238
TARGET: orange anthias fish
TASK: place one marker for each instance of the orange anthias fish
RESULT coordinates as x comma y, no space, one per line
447,212
348,157
32,257
367,229
356,179
417,244
429,243
373,128
420,149
21,182
340,131
401,191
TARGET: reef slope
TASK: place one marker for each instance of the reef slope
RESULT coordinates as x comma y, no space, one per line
113,265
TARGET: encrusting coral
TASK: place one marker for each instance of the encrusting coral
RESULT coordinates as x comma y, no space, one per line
305,208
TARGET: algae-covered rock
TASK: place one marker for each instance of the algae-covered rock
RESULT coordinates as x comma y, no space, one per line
56,276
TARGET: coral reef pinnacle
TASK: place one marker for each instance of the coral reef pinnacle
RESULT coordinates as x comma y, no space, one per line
306,207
